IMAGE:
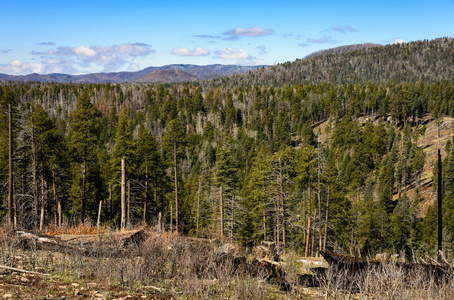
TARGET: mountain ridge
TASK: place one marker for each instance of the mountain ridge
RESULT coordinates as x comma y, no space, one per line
194,72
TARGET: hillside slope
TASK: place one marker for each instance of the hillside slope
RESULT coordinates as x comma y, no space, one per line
422,60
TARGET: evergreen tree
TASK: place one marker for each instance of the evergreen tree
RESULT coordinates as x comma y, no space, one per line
83,145
173,142
151,170
123,149
226,174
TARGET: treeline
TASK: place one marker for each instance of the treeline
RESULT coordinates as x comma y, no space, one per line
245,163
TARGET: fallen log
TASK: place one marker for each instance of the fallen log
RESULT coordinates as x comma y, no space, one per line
22,271
109,244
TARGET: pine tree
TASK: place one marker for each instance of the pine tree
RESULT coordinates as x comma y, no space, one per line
50,153
150,167
174,143
122,152
83,141
226,174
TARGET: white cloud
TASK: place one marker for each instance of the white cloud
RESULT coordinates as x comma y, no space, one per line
198,51
109,58
230,53
253,31
18,67
84,51
400,41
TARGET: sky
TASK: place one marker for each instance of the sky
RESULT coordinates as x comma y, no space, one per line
78,37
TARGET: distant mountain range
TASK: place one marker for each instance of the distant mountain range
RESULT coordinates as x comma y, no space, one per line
164,74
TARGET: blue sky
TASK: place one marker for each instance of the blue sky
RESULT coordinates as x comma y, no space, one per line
78,37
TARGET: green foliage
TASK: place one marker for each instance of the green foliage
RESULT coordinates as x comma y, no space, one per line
252,134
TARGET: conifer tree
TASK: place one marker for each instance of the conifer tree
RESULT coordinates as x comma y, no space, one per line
174,144
83,141
226,174
150,167
123,149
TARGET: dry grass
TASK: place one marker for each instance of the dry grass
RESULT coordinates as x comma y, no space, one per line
175,267
387,281
86,228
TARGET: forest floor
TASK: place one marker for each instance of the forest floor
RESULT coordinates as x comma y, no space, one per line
168,266
163,267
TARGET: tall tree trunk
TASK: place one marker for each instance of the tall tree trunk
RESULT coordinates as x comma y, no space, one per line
82,198
99,215
198,209
176,184
111,204
281,185
221,207
56,201
123,194
440,205
307,250
128,206
146,197
43,203
308,235
278,214
319,196
326,221
10,168
15,214
34,183
232,217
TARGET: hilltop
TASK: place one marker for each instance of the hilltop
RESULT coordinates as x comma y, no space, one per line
426,60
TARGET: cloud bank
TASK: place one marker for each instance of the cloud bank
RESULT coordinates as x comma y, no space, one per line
230,53
20,67
253,31
198,51
72,59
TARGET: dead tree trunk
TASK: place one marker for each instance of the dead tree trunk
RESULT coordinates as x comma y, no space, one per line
326,221
198,210
128,207
111,204
99,215
34,183
43,203
439,202
123,194
10,168
319,196
56,201
176,184
221,207
82,198
307,250
146,197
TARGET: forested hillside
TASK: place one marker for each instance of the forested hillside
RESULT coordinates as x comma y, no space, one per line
242,157
427,61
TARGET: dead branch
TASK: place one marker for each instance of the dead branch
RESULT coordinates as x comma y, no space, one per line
23,271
